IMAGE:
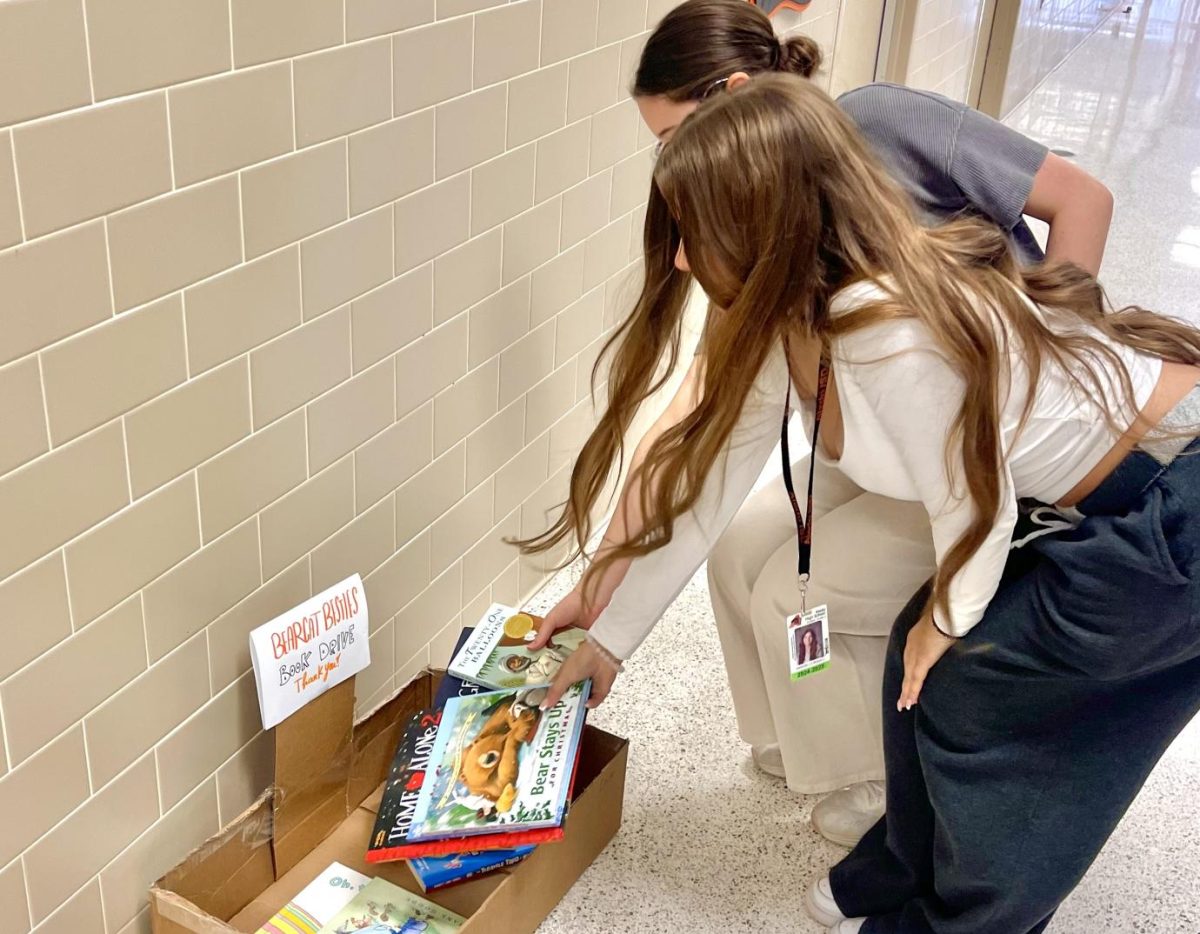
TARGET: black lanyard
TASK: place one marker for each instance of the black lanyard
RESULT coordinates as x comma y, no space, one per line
804,528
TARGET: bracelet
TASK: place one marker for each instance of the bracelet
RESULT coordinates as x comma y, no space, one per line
613,661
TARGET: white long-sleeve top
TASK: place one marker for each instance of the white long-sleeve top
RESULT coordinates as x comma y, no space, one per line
899,398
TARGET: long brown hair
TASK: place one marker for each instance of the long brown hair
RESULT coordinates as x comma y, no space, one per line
702,41
781,204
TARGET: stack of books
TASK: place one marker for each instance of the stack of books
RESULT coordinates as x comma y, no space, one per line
485,774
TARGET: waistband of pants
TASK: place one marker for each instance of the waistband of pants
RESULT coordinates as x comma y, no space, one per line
1149,460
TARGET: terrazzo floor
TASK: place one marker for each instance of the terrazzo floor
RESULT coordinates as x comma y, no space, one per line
709,844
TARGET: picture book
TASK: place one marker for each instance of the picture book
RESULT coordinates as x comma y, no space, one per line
497,655
318,902
452,686
383,908
403,787
500,765
436,872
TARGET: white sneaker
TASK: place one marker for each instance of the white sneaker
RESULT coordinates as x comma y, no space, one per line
846,815
768,759
820,905
849,926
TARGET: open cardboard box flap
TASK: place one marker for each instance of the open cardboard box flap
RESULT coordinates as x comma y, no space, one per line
329,778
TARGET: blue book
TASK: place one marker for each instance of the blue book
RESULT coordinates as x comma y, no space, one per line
435,872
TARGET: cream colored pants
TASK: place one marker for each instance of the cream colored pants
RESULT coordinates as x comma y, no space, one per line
870,554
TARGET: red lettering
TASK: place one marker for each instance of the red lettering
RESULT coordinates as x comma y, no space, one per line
277,645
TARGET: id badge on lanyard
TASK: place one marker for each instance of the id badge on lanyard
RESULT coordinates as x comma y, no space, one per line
807,629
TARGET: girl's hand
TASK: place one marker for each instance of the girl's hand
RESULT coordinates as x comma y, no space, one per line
569,611
925,645
585,662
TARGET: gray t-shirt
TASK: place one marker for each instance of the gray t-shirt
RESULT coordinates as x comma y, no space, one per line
950,157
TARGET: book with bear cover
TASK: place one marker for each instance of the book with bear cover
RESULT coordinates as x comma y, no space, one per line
501,766
383,908
497,655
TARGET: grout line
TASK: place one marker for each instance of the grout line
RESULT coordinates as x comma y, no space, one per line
45,405
67,587
241,217
187,353
346,149
12,145
146,633
8,751
87,48
170,141
87,753
232,60
28,896
158,779
128,471
112,291
103,905
292,88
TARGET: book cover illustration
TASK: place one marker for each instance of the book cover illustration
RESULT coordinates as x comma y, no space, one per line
436,872
383,908
317,902
497,655
403,787
500,764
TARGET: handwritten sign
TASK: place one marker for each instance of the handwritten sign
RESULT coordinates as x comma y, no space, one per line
308,650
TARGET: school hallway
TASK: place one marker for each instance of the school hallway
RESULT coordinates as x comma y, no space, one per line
711,845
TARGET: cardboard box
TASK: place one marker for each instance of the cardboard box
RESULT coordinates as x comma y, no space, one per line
329,781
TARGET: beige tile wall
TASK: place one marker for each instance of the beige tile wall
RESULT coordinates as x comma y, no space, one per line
945,38
1047,32
289,291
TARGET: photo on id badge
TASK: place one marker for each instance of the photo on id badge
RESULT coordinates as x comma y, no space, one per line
808,642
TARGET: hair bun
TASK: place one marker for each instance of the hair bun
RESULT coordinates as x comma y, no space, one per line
799,55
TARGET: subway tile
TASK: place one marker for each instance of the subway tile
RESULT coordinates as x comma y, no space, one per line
463,407
173,241
488,559
387,461
247,774
470,130
115,559
585,209
346,261
526,363
251,474
506,42
550,400
15,919
498,322
10,210
448,8
506,588
41,791
568,28
656,10
631,56
430,493
53,288
537,104
44,50
62,861
531,239
294,197
620,19
89,379
367,18
430,364
557,284
349,415
494,443
128,878
190,596
139,925
540,510
82,913
22,413
390,161
568,434
56,497
430,65
198,748
614,135
502,189
265,30
128,725
378,674
241,309
54,692
227,123
562,160
228,634
399,579
631,184
38,592
140,44
586,366
461,527
607,253
307,516
342,90
300,365
391,317
91,162
517,480
593,82
432,222
359,548
434,609
466,275
621,294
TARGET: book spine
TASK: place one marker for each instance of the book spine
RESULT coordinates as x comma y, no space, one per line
432,881
450,846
